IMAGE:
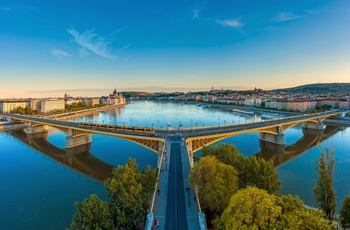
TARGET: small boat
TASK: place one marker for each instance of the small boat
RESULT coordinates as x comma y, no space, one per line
243,112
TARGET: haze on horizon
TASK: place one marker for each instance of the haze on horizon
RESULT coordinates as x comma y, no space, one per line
87,48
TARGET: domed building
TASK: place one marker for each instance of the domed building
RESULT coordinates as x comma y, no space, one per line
116,98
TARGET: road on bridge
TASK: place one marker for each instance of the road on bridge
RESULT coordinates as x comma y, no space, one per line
176,205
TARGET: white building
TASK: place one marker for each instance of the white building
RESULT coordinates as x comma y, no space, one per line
252,101
8,105
51,104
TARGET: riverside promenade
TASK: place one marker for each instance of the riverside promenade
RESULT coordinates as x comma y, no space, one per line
175,206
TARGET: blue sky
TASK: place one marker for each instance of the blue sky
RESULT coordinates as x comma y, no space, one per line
89,47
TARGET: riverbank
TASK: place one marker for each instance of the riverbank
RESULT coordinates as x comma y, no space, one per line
75,114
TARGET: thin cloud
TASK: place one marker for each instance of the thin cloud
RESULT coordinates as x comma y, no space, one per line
230,23
91,41
284,16
59,53
83,52
195,14
6,9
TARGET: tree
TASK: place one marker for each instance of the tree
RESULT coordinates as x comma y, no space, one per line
215,183
323,191
250,208
253,171
92,214
295,216
127,199
345,213
257,172
253,208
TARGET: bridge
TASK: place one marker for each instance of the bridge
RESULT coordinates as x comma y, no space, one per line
192,140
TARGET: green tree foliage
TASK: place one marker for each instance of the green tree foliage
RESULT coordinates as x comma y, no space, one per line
323,191
128,198
92,214
128,195
216,182
295,216
253,171
27,111
250,208
345,213
253,208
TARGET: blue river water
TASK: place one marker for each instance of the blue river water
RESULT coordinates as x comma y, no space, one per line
38,191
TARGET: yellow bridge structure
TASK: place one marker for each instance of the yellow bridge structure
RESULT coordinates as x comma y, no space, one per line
272,131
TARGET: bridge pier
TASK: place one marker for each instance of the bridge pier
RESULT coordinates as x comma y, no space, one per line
32,129
273,138
311,125
75,141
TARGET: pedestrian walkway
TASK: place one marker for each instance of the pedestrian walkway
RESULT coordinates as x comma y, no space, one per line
160,202
190,194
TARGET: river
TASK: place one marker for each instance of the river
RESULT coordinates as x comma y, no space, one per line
40,182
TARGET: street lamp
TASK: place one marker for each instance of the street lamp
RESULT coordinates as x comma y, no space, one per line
225,122
191,123
218,121
130,121
196,125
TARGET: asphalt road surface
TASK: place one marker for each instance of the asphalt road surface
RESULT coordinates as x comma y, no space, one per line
176,206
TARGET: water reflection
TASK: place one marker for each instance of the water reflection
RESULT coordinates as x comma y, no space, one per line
78,159
281,154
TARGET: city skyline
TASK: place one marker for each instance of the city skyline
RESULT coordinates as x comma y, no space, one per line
87,49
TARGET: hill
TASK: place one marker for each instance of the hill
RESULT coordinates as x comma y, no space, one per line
319,88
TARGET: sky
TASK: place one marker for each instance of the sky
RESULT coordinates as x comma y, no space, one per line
88,48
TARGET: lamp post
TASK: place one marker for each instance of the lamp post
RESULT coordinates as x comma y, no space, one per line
218,121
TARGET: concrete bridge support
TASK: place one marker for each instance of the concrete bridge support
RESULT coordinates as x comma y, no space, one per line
75,141
32,129
273,138
311,125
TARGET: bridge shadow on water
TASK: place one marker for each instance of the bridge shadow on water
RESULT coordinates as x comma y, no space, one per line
79,159
281,154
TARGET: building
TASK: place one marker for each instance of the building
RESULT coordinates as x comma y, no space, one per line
116,98
333,102
49,105
91,101
35,104
252,101
7,105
